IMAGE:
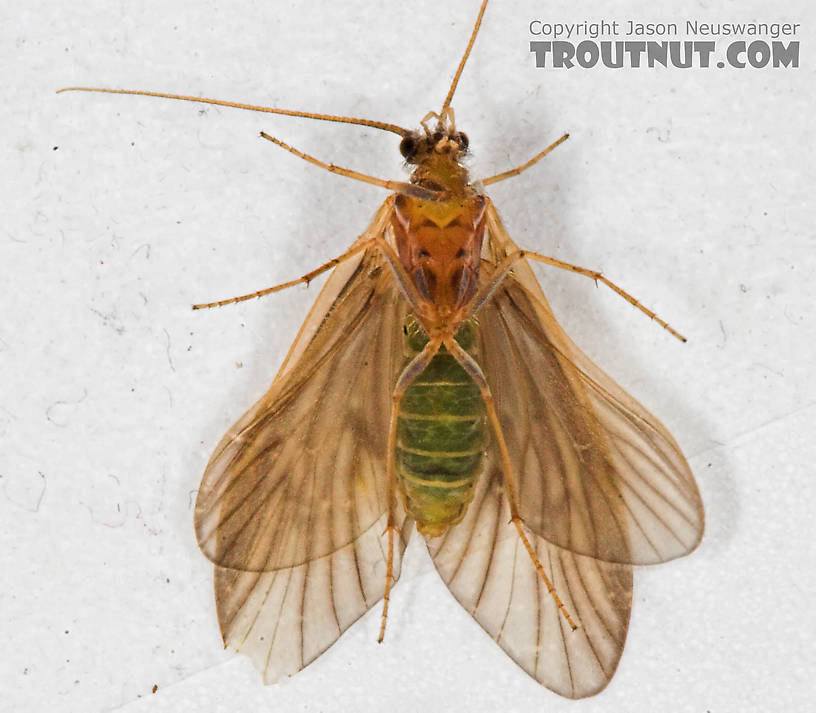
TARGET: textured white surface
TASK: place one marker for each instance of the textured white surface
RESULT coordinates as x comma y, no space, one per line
692,188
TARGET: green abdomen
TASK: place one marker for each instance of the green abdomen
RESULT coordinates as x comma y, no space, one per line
441,435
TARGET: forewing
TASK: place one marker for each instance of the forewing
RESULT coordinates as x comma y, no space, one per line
598,474
486,567
285,619
301,475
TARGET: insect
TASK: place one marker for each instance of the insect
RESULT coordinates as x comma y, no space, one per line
431,388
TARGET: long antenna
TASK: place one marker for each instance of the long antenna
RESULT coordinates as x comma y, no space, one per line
464,59
393,128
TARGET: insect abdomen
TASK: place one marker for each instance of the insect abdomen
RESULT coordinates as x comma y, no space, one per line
441,436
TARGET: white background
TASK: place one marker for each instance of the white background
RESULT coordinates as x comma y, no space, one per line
691,188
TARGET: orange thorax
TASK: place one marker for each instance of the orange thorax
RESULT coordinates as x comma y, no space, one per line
440,245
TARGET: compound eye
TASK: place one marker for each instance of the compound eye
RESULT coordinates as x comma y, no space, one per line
408,147
461,138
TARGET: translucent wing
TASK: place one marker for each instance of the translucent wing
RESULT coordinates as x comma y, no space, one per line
598,474
302,474
283,620
486,567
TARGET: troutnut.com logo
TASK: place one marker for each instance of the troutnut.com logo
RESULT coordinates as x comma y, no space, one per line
704,44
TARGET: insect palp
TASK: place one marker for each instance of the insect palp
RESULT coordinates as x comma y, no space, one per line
424,122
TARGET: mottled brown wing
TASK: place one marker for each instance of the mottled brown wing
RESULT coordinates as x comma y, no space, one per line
598,474
302,474
486,567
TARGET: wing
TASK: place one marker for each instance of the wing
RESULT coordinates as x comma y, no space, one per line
302,474
598,474
285,619
487,569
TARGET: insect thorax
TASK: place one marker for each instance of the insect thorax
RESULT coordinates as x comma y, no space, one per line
441,434
440,246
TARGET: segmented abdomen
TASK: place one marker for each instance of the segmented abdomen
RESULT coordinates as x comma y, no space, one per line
441,435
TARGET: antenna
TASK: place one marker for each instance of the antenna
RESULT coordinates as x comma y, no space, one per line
393,128
464,59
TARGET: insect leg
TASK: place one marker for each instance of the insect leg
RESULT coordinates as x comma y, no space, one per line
598,277
516,171
407,287
414,368
507,263
364,241
473,369
408,189
497,229
307,278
